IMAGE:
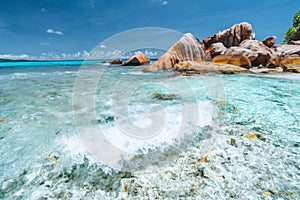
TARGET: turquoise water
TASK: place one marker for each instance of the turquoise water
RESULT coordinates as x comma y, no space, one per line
42,156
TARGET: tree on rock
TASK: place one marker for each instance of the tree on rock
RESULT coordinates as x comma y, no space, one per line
294,32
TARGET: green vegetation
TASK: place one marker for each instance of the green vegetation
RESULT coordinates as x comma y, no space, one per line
294,32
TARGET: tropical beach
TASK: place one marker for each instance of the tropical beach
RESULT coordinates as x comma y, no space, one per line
150,112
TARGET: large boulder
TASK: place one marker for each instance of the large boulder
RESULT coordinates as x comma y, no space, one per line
263,52
137,59
240,51
216,49
231,37
287,49
281,53
297,42
291,64
200,67
187,48
238,60
270,41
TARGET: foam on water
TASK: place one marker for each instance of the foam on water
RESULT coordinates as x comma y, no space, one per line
166,136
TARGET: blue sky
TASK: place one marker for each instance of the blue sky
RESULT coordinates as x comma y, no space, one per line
52,27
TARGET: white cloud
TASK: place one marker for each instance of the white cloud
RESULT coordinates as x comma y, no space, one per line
165,3
63,56
162,2
16,57
105,55
48,56
102,46
45,43
51,31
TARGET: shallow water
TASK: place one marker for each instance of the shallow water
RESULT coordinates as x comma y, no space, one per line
42,156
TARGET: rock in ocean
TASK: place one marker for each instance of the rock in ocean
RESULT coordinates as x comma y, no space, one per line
116,62
137,59
187,48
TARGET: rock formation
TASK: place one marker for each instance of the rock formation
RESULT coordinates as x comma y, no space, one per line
234,46
287,49
283,52
263,52
238,60
297,42
187,48
116,62
231,37
216,49
137,59
200,67
239,51
270,41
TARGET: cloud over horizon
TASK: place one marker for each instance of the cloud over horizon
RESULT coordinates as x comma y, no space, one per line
51,31
47,56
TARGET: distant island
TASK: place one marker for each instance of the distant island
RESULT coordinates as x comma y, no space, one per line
21,60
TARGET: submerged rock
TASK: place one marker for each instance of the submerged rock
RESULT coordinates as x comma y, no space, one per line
232,36
238,60
164,96
254,136
137,59
3,120
250,136
195,67
187,48
270,41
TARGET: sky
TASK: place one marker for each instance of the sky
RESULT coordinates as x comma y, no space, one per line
61,29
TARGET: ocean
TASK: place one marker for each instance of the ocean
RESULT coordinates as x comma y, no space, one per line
88,130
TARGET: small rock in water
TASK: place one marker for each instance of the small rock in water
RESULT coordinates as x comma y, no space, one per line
105,119
223,112
204,159
3,120
40,96
233,142
201,173
268,193
164,96
261,137
250,136
253,136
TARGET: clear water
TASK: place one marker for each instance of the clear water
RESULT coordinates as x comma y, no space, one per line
42,156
